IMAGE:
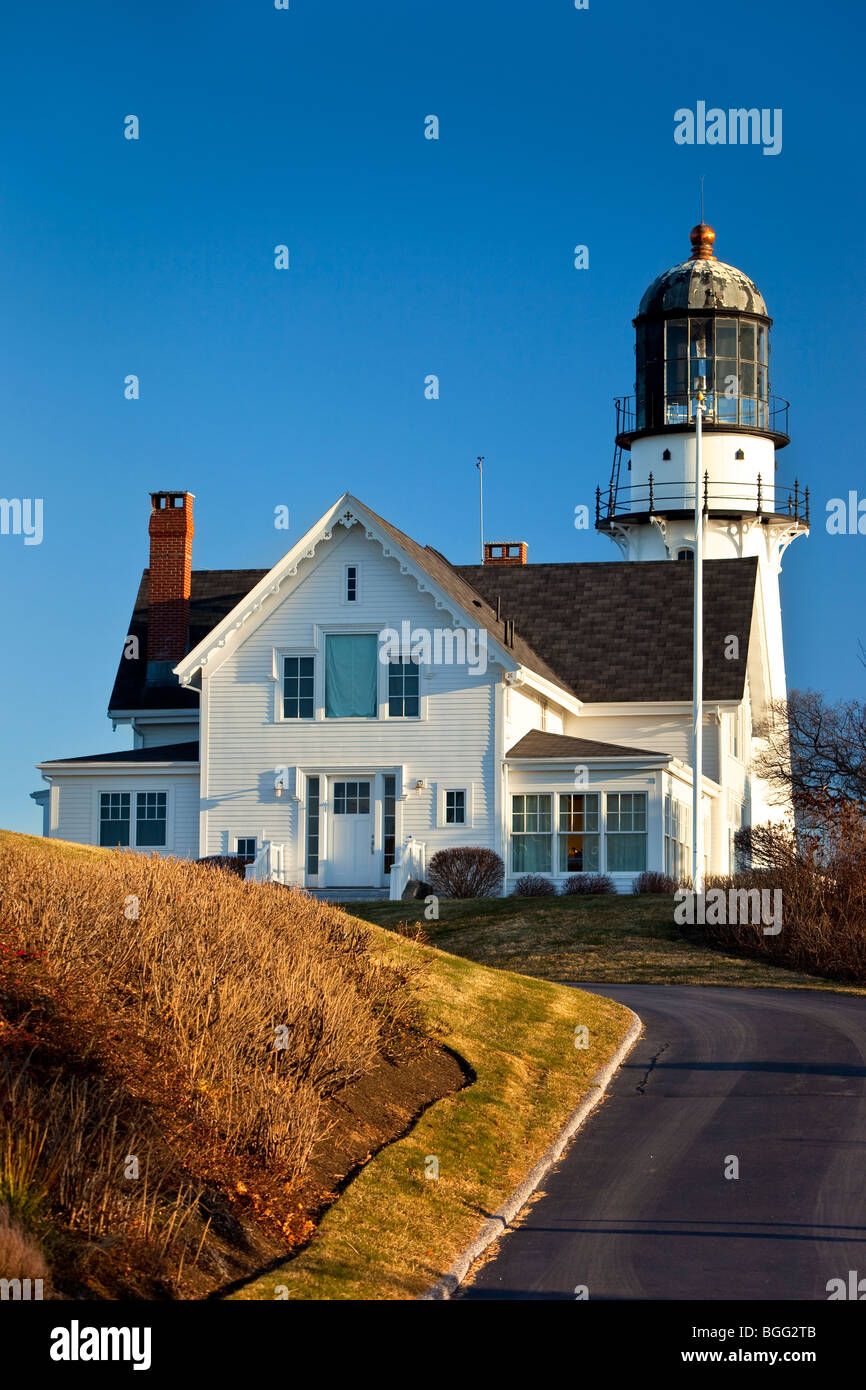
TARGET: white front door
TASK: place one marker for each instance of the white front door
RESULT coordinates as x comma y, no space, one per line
351,859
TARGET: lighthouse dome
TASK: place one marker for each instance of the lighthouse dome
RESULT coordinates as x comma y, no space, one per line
702,282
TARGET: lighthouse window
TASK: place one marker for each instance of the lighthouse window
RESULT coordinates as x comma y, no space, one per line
676,370
747,341
726,338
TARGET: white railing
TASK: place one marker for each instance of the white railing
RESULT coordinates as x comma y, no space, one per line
269,865
410,862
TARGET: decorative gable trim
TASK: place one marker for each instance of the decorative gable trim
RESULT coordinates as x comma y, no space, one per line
347,512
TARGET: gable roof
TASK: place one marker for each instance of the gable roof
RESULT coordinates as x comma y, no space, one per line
622,630
538,744
601,631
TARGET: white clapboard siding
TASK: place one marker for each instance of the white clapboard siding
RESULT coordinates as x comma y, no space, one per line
76,799
663,733
522,713
245,742
156,735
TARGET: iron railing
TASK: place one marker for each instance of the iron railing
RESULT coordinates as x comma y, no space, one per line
619,501
658,411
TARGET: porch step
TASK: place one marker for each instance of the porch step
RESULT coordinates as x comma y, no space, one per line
349,895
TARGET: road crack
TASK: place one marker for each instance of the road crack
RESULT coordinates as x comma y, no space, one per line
651,1066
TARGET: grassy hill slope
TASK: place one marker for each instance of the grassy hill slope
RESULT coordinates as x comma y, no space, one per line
194,1068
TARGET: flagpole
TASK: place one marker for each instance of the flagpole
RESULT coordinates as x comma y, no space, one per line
698,657
481,501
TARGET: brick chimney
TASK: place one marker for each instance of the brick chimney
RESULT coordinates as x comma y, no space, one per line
505,552
171,532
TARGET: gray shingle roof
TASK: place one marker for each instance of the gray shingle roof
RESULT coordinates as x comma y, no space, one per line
537,744
606,631
622,630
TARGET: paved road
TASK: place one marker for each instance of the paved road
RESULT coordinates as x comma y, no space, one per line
639,1207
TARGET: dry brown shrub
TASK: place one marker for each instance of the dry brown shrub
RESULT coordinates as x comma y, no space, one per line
21,1255
268,1000
822,877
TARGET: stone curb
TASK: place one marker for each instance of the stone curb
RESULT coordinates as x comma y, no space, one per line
501,1219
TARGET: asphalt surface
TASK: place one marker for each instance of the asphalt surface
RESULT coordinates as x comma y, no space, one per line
639,1206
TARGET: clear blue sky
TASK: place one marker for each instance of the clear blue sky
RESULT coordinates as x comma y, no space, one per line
408,257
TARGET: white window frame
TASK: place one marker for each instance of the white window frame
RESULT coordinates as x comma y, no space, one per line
736,734
278,660
552,797
247,838
677,837
385,711
321,632
132,792
626,791
344,592
468,790
559,834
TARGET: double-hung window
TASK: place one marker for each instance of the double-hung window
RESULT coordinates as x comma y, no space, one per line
114,818
404,692
678,837
150,818
530,834
578,833
455,807
625,832
299,687
118,829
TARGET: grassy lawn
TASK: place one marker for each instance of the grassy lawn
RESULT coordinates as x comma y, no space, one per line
394,1232
600,940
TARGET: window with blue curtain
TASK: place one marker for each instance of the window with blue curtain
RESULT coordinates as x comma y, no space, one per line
351,673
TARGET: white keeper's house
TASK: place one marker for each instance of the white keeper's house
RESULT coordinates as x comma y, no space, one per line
340,717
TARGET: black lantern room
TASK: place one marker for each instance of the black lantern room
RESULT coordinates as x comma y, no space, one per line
702,318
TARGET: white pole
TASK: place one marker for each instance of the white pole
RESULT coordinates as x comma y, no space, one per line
481,502
698,660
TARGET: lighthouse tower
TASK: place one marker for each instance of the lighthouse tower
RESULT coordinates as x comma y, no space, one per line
705,319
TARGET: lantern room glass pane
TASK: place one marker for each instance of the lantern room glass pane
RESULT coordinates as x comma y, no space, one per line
747,378
676,338
701,336
726,337
727,389
747,341
762,345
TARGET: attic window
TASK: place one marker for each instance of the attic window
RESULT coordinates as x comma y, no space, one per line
351,583
685,554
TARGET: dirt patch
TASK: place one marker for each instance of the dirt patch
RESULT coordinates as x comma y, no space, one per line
386,1102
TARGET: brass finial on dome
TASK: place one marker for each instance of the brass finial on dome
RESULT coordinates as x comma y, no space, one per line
702,237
